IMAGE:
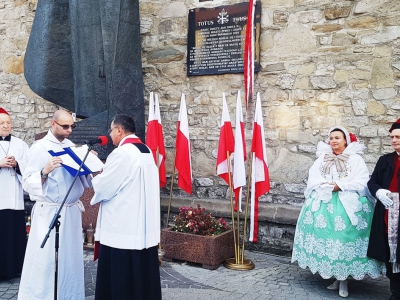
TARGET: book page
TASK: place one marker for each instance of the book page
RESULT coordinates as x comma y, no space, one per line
92,161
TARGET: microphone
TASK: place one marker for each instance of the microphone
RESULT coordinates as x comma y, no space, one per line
102,140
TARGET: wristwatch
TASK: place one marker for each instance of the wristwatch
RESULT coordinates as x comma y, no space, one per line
42,175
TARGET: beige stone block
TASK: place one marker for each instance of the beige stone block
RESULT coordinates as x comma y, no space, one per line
365,6
335,110
375,108
266,41
340,39
286,117
338,10
280,17
361,74
306,69
14,64
382,51
382,73
360,84
363,49
362,22
203,165
302,83
295,39
327,27
173,10
390,20
281,168
150,8
332,49
341,75
368,131
278,3
374,144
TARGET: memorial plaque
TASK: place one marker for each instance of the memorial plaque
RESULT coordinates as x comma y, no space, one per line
216,39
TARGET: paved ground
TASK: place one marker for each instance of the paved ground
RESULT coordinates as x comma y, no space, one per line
274,277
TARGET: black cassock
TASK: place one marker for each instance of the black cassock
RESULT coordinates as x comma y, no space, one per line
12,243
128,274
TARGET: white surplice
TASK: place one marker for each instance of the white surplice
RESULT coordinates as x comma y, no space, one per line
37,279
129,192
12,195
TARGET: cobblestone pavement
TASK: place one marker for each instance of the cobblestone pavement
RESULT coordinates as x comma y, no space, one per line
274,277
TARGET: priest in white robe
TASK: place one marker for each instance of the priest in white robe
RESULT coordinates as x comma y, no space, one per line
128,223
12,213
47,183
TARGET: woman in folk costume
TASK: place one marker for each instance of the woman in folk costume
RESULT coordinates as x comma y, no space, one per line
12,214
333,228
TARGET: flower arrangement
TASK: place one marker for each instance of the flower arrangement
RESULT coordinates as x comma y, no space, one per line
197,221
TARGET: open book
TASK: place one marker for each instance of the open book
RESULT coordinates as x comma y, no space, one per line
72,158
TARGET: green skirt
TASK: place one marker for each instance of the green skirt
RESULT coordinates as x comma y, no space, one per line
327,242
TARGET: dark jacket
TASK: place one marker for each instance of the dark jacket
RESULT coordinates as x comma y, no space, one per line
378,247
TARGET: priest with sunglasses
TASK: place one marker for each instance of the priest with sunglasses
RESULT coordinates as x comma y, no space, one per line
12,214
47,183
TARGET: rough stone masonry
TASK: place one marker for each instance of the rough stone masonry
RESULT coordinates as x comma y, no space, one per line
324,63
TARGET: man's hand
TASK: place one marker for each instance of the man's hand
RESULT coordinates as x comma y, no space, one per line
52,163
13,161
6,162
382,196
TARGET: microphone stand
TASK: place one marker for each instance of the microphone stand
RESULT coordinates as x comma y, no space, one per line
56,223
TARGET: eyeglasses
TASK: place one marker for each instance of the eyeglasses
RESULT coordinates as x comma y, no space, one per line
111,129
66,127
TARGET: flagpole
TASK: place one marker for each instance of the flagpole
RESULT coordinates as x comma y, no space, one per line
170,191
232,208
244,264
160,251
247,204
238,233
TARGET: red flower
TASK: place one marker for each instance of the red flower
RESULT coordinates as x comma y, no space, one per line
197,221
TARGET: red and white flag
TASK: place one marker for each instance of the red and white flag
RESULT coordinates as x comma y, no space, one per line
161,146
155,137
226,144
182,159
248,59
259,169
239,156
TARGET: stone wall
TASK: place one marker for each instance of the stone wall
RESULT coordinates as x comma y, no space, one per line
324,63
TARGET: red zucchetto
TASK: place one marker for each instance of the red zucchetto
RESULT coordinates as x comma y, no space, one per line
3,111
395,125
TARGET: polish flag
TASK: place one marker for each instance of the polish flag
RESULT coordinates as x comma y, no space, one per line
239,156
182,159
259,169
161,146
226,143
248,59
155,138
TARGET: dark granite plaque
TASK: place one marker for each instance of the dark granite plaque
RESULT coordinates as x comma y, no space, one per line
216,39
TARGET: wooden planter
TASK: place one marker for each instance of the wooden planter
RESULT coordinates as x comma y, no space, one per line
206,250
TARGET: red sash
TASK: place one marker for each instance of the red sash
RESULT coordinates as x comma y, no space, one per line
132,141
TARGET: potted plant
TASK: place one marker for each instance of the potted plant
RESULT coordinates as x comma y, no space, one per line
198,237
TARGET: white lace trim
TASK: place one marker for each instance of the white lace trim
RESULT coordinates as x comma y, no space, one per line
351,205
333,258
